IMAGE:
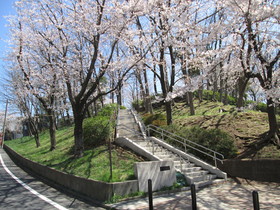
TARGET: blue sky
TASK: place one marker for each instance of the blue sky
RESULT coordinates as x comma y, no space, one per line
6,8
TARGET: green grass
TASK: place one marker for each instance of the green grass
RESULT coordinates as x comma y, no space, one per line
93,165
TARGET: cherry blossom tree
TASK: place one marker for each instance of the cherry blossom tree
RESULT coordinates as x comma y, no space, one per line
96,29
35,59
254,28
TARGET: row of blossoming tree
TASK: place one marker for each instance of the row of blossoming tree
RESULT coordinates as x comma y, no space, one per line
64,52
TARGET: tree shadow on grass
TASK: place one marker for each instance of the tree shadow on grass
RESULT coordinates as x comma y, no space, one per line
72,162
256,146
91,156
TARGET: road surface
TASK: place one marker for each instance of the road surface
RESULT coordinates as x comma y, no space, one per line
19,190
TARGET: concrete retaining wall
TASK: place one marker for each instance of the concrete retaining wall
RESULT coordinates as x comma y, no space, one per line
259,170
95,190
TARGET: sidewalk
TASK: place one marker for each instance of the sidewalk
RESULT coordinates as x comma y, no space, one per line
230,195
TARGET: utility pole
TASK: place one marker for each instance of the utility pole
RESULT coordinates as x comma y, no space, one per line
4,124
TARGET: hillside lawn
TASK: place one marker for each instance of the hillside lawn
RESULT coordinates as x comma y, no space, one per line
93,165
246,127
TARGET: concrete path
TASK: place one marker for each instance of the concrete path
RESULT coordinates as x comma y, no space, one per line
230,195
126,124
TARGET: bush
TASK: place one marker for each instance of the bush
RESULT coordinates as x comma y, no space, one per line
108,110
261,107
138,105
231,100
214,139
96,130
154,119
122,107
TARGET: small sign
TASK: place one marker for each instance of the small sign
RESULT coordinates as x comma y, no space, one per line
164,168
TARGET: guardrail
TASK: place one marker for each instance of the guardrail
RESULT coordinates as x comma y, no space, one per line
186,143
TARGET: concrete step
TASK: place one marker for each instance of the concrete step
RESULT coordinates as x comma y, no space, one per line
172,159
184,164
190,169
165,156
161,153
143,143
155,149
195,173
194,179
209,182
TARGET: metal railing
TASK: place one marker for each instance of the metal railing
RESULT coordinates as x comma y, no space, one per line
185,143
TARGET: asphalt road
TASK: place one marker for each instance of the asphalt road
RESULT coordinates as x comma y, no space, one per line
19,190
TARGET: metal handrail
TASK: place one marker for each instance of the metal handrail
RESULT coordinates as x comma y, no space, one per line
186,143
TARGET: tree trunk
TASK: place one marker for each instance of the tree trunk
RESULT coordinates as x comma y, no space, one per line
52,129
215,88
241,91
200,94
221,91
78,134
273,127
190,96
35,132
187,98
142,90
164,85
155,84
168,109
225,100
148,101
119,98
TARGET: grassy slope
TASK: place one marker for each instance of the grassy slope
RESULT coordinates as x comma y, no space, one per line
93,165
245,127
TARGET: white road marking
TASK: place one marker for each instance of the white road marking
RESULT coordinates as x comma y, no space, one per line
56,205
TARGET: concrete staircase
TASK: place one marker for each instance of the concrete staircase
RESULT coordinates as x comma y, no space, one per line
196,171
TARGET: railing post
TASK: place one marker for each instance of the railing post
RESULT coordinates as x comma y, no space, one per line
150,192
162,135
256,200
215,159
194,207
153,147
181,164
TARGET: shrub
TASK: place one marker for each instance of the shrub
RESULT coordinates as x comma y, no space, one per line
214,139
231,100
107,110
261,107
137,104
96,130
122,107
154,119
